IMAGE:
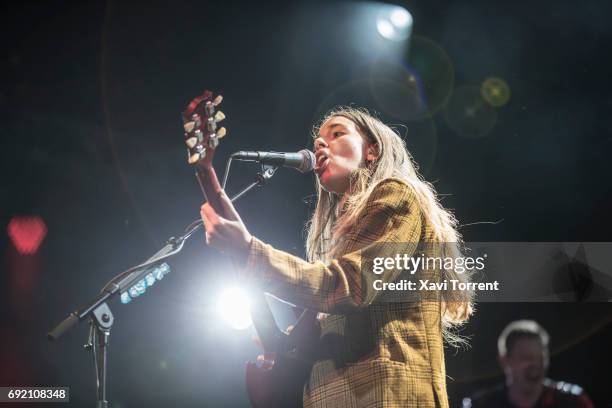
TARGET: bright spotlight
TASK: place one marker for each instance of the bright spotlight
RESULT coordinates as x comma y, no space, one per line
233,308
400,17
385,28
394,23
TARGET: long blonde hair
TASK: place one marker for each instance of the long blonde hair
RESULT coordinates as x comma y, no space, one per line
395,161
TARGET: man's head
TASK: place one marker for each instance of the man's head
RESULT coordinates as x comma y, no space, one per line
523,354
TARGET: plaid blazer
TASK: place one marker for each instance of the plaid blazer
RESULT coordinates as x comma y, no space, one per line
370,354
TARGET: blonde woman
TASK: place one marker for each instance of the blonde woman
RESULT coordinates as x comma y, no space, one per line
370,354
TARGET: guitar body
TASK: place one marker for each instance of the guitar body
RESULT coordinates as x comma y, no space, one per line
278,380
278,386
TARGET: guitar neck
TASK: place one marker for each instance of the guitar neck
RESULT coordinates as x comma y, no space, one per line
263,319
209,183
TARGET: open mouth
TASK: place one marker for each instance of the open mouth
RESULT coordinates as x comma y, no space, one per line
321,164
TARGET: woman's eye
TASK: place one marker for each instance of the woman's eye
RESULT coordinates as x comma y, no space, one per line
337,134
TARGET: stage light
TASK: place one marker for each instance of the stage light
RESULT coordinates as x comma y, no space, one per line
27,233
394,23
400,17
233,308
385,28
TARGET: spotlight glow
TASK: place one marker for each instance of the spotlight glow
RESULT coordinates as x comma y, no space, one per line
400,17
385,28
394,23
233,308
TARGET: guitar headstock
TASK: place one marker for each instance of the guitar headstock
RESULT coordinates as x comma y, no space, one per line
202,134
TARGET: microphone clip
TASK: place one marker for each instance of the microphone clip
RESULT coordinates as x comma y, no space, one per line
267,171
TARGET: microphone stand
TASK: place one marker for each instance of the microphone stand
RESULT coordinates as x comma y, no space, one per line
260,179
99,313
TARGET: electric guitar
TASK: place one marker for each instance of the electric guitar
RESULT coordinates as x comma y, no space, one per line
277,380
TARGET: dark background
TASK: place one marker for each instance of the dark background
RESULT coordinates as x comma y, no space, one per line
91,141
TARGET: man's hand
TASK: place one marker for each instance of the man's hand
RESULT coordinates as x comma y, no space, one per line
228,235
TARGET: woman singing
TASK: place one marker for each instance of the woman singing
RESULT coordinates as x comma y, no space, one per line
370,353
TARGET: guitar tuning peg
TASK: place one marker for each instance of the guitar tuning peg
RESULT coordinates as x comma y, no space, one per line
197,156
217,100
189,126
221,132
191,142
219,116
194,158
213,142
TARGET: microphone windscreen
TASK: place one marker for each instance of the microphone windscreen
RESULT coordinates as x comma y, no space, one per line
308,164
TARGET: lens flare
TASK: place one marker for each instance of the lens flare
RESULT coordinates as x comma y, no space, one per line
495,91
469,114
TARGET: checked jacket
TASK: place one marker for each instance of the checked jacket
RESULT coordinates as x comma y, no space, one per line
370,353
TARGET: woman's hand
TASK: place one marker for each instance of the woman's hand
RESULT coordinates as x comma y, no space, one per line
228,235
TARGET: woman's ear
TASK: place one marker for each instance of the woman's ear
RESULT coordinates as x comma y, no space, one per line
372,153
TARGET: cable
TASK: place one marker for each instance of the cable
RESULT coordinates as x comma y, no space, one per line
226,174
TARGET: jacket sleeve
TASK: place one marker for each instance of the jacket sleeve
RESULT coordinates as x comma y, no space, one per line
391,216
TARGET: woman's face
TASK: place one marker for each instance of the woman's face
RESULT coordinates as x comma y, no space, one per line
340,150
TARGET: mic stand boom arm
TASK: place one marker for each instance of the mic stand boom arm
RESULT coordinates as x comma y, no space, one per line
99,313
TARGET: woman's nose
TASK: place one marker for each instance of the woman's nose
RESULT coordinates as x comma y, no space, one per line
319,143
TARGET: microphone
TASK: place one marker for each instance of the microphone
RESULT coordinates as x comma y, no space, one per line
303,161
